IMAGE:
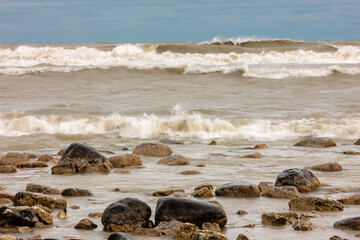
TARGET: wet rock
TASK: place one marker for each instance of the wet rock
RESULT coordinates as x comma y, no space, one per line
208,235
36,237
242,237
121,161
357,142
241,212
36,188
179,194
95,215
31,165
168,228
185,231
75,192
126,215
279,219
151,232
200,165
8,237
7,195
169,141
352,224
261,146
264,186
252,155
189,210
303,179
62,213
7,169
85,224
75,207
153,150
81,158
238,189
24,230
282,192
211,226
61,152
337,238
122,171
304,225
43,215
213,143
351,200
208,186
13,158
119,236
174,160
4,201
203,192
24,216
167,192
316,142
351,153
327,167
190,172
315,204
31,199
251,225
45,158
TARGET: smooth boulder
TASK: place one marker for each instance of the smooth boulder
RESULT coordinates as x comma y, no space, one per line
326,167
189,210
316,142
352,224
282,192
174,160
126,160
14,158
303,179
153,150
315,204
238,189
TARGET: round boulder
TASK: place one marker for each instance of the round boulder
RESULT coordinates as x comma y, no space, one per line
327,167
153,150
14,158
7,169
352,224
121,161
303,179
316,142
174,160
238,189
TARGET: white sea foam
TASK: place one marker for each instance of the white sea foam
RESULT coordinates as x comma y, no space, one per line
179,124
297,63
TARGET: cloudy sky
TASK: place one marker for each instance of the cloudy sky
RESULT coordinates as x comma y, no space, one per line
177,21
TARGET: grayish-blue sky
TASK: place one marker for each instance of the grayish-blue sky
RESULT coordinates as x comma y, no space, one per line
176,21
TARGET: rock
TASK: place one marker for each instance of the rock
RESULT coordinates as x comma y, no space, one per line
252,155
316,142
261,146
251,225
13,158
357,142
4,201
179,194
264,186
242,237
121,161
31,165
185,231
303,179
167,228
23,216
238,189
36,237
151,232
174,160
45,158
43,215
24,230
203,192
282,192
167,192
126,215
189,210
7,195
351,153
327,167
208,235
31,199
95,215
279,219
211,226
75,192
7,169
190,172
75,207
337,238
304,225
122,171
200,165
352,200
208,186
36,188
241,212
86,224
62,213
352,224
153,150
213,143
80,158
61,152
315,204
119,236
8,237
169,141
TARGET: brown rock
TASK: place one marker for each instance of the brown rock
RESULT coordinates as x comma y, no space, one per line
31,155
238,189
203,192
13,158
190,172
75,192
352,224
153,150
36,188
43,215
36,237
252,155
242,237
178,194
351,153
315,204
24,230
241,212
264,186
208,235
151,232
327,167
122,171
278,219
7,169
303,179
31,165
168,228
337,238
304,225
316,142
45,158
5,201
95,215
8,237
167,192
7,195
174,160
211,226
282,192
352,200
121,161
357,142
200,165
61,152
185,231
24,216
169,141
75,207
86,224
31,199
213,143
261,146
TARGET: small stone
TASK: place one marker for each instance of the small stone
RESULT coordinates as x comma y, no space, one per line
203,192
304,225
122,171
185,231
95,215
327,167
167,192
211,226
337,238
86,224
151,232
261,146
75,192
241,212
351,153
278,219
167,228
252,155
190,172
213,143
200,165
62,213
248,226
75,207
116,189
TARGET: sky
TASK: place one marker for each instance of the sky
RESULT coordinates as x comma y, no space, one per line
28,21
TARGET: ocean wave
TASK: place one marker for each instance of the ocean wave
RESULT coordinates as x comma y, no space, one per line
179,124
294,63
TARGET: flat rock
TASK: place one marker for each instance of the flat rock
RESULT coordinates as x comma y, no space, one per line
13,158
357,142
24,216
4,194
31,165
301,225
37,188
121,161
252,155
167,192
326,167
85,224
208,235
316,142
153,150
7,169
352,224
185,231
303,179
315,204
261,146
279,219
351,200
75,192
203,192
238,189
282,192
351,153
31,199
126,215
45,158
189,210
174,160
190,172
119,236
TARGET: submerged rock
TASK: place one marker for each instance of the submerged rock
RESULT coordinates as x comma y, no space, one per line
36,188
208,235
316,142
203,192
153,150
327,167
252,155
167,192
279,219
261,146
238,189
75,192
45,158
189,210
303,179
7,169
351,200
121,161
31,199
352,224
14,158
315,204
174,160
85,224
304,225
282,192
31,165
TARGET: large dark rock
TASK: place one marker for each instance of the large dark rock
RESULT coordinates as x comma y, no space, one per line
303,179
352,224
32,199
189,210
119,236
13,158
126,215
75,192
316,142
80,158
238,189
315,204
153,150
24,216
